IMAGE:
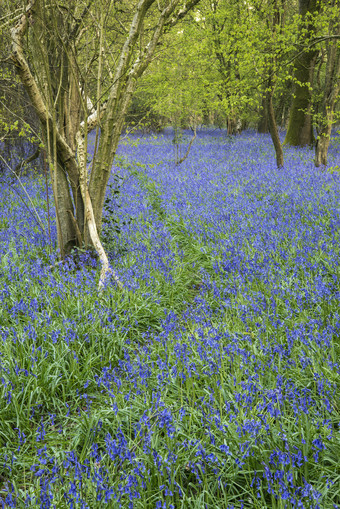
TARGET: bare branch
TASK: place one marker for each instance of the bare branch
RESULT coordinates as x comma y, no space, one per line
80,20
37,217
188,6
145,56
28,160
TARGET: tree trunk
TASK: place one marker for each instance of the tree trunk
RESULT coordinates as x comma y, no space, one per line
322,144
300,125
69,205
231,126
262,126
324,132
112,126
331,92
274,133
277,23
66,229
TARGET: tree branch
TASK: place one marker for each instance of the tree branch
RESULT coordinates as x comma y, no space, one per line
76,227
80,20
145,56
181,14
182,159
28,160
128,47
90,219
37,217
33,91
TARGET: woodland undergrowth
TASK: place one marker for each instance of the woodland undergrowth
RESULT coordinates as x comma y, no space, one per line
212,379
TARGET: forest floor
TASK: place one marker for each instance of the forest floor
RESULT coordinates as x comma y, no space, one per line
212,379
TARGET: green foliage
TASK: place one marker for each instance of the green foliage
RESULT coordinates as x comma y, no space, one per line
111,224
113,192
3,223
214,68
333,169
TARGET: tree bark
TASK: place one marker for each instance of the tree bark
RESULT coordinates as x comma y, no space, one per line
262,126
274,133
322,144
64,168
330,95
66,230
300,124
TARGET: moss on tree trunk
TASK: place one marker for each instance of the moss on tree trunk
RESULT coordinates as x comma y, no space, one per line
321,150
263,126
300,125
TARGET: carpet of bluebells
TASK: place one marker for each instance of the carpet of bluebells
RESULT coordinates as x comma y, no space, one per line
212,379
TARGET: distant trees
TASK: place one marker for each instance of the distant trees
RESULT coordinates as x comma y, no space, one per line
201,71
315,75
257,62
226,62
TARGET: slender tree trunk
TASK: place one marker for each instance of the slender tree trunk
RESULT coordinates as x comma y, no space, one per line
322,144
274,133
183,158
112,126
324,132
277,22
